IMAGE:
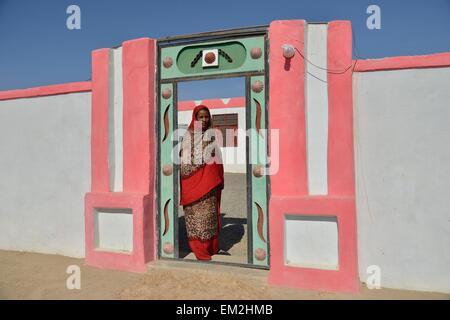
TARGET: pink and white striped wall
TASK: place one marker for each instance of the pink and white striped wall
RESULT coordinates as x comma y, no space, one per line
333,191
311,107
291,191
123,87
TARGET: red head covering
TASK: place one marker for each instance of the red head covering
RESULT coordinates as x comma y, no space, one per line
194,115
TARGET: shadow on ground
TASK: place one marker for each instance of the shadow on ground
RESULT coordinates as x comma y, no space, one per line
231,234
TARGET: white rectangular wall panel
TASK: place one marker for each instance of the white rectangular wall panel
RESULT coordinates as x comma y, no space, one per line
316,98
115,120
311,242
113,229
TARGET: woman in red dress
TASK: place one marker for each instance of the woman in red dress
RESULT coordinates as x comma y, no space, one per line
201,186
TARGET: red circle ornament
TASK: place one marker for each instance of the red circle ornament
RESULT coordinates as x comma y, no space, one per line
257,86
210,57
166,93
168,248
258,171
168,62
260,254
256,53
167,170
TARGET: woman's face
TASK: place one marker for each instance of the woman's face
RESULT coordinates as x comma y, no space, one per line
203,116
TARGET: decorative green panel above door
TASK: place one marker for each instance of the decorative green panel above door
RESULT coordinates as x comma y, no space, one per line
213,58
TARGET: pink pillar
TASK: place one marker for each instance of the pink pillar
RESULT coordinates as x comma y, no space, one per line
99,121
340,106
139,155
139,149
289,187
287,108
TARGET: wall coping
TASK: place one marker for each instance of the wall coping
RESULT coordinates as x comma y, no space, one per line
41,91
435,60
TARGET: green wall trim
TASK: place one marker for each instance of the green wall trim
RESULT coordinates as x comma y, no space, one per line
166,182
258,156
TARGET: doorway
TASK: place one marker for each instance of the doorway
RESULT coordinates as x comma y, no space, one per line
234,87
226,100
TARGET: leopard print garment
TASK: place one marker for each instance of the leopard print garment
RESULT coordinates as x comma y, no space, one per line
201,217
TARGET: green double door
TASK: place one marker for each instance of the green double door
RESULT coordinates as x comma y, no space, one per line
236,57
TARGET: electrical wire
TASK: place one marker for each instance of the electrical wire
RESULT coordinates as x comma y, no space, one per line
352,65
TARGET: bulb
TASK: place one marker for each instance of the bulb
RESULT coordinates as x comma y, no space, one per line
288,51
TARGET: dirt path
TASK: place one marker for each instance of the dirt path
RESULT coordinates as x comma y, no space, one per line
41,276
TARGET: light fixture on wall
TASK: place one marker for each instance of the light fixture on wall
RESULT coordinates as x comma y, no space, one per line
288,50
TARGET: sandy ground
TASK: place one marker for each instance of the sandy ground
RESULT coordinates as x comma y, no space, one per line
40,276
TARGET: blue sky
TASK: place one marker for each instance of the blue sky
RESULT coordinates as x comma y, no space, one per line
37,49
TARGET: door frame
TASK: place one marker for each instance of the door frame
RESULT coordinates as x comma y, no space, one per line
197,39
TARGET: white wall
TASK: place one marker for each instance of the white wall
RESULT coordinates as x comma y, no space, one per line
402,143
45,172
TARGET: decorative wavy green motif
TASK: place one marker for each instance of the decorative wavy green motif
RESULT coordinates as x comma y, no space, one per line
258,117
260,222
166,217
166,123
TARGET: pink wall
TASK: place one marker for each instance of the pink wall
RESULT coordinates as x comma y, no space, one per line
139,149
139,131
437,60
289,186
99,121
139,154
143,251
287,109
341,180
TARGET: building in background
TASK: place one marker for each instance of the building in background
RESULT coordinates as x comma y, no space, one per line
228,115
